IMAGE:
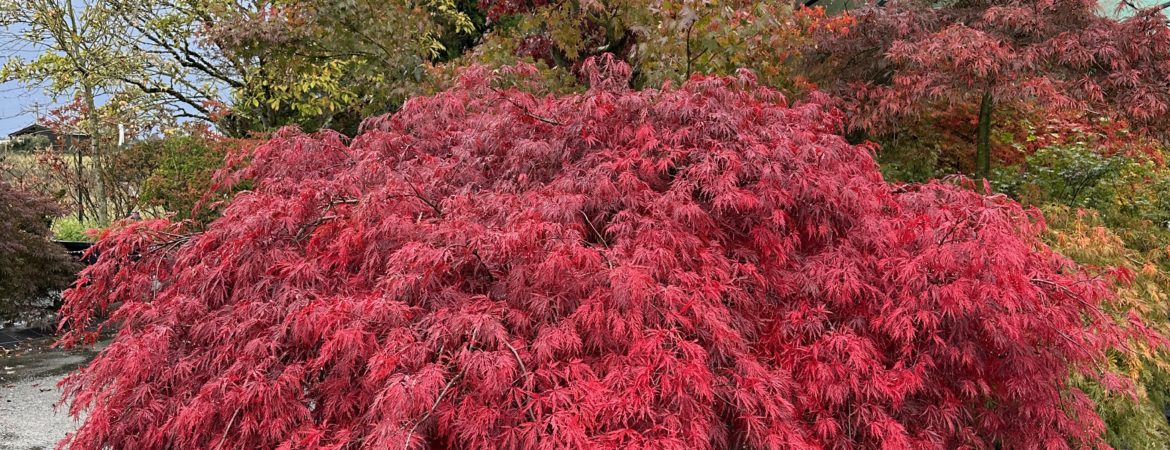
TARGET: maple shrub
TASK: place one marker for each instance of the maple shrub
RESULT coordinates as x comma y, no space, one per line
702,266
31,267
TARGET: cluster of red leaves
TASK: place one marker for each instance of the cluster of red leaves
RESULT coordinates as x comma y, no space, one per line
700,267
1107,137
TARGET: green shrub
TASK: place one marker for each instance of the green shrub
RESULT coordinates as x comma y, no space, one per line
185,166
29,144
1130,191
68,228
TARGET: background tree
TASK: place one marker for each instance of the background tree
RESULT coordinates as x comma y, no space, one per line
75,60
661,40
909,60
66,170
327,64
166,59
252,66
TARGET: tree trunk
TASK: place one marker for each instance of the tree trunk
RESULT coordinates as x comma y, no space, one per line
70,145
983,138
102,206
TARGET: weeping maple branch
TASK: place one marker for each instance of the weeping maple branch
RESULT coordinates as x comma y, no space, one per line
442,393
231,422
424,199
487,270
516,354
524,109
600,238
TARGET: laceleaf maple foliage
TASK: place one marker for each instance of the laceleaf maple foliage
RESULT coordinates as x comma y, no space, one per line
1136,421
909,60
693,267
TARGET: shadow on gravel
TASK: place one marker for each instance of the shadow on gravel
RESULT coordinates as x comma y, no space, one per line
29,372
14,337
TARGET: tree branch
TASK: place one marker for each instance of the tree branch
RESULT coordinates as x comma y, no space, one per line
525,110
169,91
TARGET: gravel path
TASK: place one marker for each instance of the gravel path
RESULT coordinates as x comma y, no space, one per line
28,390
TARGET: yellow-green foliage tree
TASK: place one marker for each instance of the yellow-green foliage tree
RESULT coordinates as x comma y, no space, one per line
661,40
1136,422
329,64
244,66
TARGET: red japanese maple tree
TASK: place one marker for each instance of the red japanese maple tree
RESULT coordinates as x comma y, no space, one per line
911,59
692,267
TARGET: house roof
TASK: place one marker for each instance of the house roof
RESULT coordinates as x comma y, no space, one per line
33,128
37,128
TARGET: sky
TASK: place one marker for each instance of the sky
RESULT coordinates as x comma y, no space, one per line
16,104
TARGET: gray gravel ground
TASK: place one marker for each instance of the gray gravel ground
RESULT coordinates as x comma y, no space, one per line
28,390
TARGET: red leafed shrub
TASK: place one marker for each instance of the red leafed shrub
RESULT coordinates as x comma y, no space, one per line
696,267
31,267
